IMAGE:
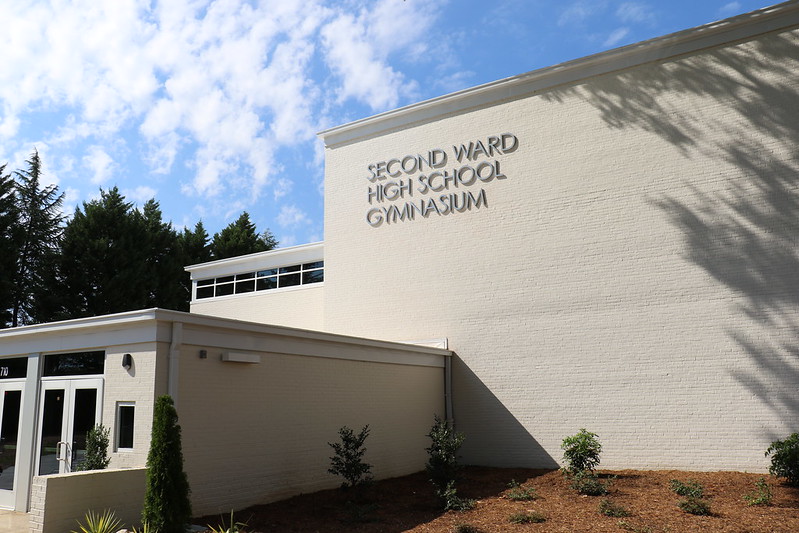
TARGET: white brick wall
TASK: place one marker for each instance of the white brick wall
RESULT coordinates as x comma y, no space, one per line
634,274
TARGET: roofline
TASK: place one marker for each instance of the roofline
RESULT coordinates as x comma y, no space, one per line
153,315
243,259
738,28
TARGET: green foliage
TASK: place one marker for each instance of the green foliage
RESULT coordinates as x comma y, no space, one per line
8,244
626,526
785,458
527,518
761,495
107,522
166,501
588,483
240,238
696,506
690,489
231,527
37,239
520,494
451,500
145,528
442,464
608,508
467,528
581,451
348,459
96,449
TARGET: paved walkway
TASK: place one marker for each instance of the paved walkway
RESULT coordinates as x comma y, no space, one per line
13,522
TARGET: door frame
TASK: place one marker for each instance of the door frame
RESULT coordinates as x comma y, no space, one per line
69,384
8,497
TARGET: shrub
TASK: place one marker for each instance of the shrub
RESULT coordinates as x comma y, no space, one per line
635,529
453,502
696,506
691,489
232,527
608,508
167,508
96,449
100,523
527,518
442,465
785,458
586,482
467,528
348,459
520,494
581,451
761,495
145,528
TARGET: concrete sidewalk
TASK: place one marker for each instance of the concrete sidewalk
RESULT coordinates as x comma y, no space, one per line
13,522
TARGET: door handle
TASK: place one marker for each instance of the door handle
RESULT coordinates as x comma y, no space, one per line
58,455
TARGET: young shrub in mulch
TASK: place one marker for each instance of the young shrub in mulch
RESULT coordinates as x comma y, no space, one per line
167,508
442,465
608,508
761,495
581,451
696,506
527,518
785,459
518,493
348,459
588,483
466,528
690,489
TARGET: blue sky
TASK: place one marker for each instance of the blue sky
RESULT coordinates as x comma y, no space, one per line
212,107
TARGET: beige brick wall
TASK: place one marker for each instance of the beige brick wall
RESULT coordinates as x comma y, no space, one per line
59,501
634,274
300,307
258,432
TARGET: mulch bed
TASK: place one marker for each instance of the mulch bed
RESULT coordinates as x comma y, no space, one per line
407,504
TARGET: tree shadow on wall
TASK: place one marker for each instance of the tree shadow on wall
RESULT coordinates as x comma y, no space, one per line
743,233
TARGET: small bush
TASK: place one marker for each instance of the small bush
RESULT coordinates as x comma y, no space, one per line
691,489
581,451
608,508
761,495
527,518
107,522
145,528
695,506
348,459
586,482
467,528
518,493
635,529
452,502
785,458
96,449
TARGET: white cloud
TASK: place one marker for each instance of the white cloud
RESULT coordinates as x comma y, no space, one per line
292,217
730,8
140,194
616,36
578,12
99,163
636,13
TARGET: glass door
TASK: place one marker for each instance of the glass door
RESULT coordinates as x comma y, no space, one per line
69,409
10,410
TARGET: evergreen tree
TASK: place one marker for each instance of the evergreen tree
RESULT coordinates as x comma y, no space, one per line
240,238
167,508
195,249
164,260
8,251
38,241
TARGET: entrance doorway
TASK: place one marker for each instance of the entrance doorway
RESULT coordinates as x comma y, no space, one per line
10,411
69,409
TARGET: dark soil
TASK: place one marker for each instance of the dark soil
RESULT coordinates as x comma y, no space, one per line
407,504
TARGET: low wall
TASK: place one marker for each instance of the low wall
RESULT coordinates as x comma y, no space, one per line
59,500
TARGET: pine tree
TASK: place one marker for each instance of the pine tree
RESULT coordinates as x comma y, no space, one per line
8,249
164,260
167,508
195,249
240,238
38,241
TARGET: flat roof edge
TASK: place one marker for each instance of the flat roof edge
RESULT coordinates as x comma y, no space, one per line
738,28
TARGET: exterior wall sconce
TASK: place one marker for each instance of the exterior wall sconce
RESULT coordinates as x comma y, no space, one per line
127,361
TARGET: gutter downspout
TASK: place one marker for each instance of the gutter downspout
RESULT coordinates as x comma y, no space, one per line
174,356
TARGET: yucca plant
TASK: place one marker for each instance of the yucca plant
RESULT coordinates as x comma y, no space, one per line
107,522
145,528
233,527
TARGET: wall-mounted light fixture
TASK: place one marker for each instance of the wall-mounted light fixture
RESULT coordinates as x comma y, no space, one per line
127,361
